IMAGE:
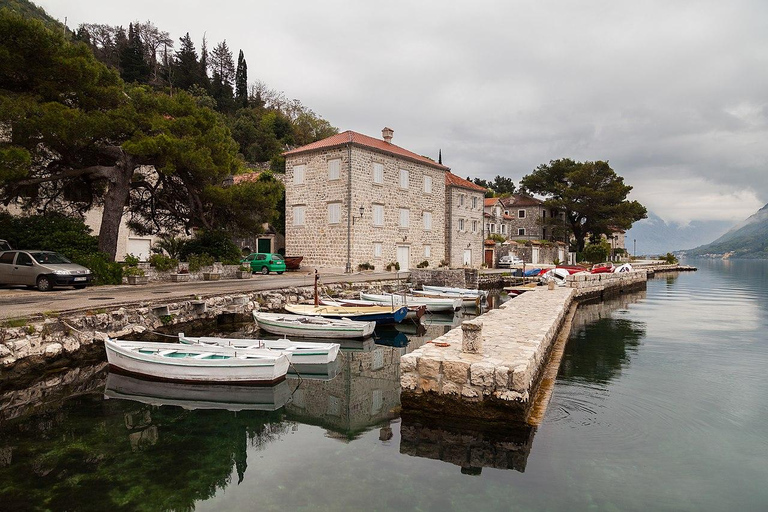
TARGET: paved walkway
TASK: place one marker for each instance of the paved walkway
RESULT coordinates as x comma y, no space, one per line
21,302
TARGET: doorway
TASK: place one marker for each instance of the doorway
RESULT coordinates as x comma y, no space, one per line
404,257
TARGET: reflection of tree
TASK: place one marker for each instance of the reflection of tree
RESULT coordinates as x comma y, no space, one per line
597,351
93,454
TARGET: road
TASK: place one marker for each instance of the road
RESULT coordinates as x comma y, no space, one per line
21,302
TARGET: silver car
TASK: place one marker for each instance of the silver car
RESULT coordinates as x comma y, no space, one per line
42,269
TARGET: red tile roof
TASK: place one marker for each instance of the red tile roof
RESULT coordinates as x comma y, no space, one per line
455,181
521,200
358,139
490,201
248,176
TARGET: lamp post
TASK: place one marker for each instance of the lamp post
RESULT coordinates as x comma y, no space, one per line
634,247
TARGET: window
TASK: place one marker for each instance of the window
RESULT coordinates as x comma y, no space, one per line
427,251
403,178
520,214
498,211
493,228
298,215
378,215
520,231
543,214
334,169
377,249
503,229
461,199
298,174
24,259
474,226
427,221
7,258
427,184
378,173
405,217
474,203
334,213
461,224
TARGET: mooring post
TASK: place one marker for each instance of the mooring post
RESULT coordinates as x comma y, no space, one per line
472,336
317,300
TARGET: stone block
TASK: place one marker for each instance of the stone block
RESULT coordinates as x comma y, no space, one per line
469,393
409,381
503,377
456,371
451,388
472,336
428,385
429,368
482,374
408,363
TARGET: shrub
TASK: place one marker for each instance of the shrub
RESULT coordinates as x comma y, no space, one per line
497,237
393,265
133,271
597,252
217,244
365,266
443,264
556,261
131,261
105,271
198,261
51,232
163,263
423,264
669,258
243,268
170,245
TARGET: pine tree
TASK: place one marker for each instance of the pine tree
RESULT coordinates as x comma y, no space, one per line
133,68
241,81
205,82
187,71
223,73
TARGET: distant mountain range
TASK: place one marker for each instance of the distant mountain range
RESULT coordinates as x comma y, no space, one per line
655,237
747,240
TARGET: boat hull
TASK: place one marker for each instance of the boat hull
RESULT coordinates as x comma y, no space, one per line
144,359
303,353
380,315
283,325
433,305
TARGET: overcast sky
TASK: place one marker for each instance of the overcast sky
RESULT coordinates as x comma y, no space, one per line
674,94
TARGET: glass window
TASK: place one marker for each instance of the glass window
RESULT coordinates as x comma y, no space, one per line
378,215
474,203
461,224
298,215
378,173
520,214
298,174
405,217
49,257
24,259
461,199
334,213
474,226
334,169
7,257
403,178
521,232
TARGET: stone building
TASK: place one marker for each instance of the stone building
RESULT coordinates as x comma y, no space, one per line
497,219
531,219
463,222
353,199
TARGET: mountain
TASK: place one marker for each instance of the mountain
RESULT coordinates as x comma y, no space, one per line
30,10
748,240
653,236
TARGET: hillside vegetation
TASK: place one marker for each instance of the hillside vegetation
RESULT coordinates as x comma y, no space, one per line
748,240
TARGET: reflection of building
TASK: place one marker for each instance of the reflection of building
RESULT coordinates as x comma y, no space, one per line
496,447
363,394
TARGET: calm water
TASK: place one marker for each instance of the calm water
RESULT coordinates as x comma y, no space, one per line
661,403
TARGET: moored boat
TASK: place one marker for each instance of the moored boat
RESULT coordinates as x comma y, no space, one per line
312,326
414,311
464,292
293,262
178,362
466,301
304,352
378,314
434,305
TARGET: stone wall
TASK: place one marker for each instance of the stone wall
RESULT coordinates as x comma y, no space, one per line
543,254
455,278
600,285
324,244
470,238
42,341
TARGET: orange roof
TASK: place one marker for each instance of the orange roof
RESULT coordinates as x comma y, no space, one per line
248,176
490,201
358,139
455,181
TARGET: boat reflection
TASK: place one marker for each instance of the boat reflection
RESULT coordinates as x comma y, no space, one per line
198,396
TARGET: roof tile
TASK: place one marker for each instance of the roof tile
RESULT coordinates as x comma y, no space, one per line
453,180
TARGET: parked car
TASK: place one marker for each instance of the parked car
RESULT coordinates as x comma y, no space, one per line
265,262
509,260
42,269
4,246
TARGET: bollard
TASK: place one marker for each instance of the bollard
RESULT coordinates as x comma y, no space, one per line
551,284
472,336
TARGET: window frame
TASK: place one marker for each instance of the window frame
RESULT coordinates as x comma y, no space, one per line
331,165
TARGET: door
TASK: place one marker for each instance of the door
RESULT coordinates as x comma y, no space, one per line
534,255
26,272
489,258
264,245
404,257
139,247
467,257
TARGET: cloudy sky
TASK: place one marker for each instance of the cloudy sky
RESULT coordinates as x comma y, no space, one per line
673,93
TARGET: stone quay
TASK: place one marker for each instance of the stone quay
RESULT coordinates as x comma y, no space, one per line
489,368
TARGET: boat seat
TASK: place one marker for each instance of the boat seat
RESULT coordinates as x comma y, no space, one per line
164,353
203,356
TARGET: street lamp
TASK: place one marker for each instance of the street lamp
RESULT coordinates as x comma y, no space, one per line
634,247
362,210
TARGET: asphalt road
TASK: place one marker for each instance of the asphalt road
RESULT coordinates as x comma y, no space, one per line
20,302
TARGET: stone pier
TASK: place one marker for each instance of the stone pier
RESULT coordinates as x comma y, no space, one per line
490,367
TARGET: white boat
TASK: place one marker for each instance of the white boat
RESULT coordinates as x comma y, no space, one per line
178,362
198,396
434,305
466,300
464,292
300,352
558,275
413,311
312,326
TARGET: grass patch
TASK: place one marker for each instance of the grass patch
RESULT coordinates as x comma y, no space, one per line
15,322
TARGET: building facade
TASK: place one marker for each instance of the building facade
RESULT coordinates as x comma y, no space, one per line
463,222
497,221
532,220
353,199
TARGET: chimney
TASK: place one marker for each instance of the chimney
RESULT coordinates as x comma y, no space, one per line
386,134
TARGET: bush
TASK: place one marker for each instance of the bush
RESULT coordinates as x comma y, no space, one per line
669,258
497,237
365,266
393,265
170,245
443,264
423,264
597,252
198,261
133,271
217,244
130,260
105,271
163,263
52,232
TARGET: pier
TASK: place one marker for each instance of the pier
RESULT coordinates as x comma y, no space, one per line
491,367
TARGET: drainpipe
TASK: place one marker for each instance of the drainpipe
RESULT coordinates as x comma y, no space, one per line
349,208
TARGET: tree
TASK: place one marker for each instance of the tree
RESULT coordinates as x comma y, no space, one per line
241,81
79,138
503,186
222,77
187,69
133,68
592,195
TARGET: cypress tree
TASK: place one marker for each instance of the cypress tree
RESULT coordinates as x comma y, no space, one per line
187,67
241,81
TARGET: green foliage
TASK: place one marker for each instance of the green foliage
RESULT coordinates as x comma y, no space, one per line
597,252
198,261
394,265
669,258
105,271
133,271
497,237
52,232
163,263
365,266
423,264
216,244
245,207
169,245
591,194
131,260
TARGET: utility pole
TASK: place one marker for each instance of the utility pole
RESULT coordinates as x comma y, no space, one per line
634,247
